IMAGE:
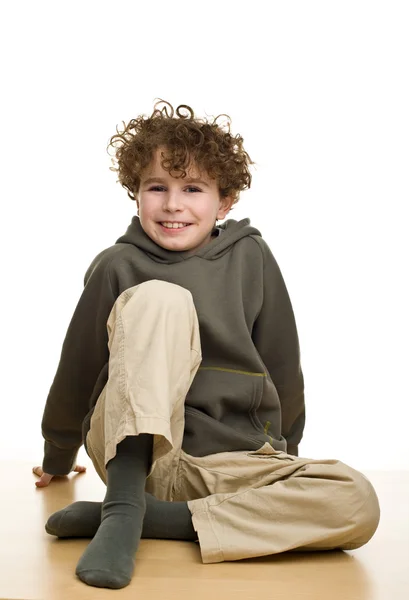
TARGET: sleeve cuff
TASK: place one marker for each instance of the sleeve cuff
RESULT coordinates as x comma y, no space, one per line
293,450
58,461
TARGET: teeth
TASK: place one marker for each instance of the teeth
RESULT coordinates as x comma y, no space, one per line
174,225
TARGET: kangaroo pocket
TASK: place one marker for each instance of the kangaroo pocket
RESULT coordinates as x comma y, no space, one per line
205,435
222,412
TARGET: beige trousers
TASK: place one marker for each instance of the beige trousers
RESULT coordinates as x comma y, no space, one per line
243,504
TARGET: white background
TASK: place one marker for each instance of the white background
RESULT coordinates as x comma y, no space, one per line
319,91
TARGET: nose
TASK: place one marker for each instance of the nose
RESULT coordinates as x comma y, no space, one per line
173,201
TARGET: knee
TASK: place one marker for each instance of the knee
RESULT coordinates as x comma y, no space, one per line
363,514
153,293
164,291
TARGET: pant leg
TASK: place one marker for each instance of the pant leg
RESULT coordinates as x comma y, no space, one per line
267,502
155,352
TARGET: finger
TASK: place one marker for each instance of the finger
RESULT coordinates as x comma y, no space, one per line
38,471
44,481
79,469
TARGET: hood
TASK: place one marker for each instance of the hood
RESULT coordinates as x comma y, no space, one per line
228,233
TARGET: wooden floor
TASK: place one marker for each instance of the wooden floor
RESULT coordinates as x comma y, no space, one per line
36,566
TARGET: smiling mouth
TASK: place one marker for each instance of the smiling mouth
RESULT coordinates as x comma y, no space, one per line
171,229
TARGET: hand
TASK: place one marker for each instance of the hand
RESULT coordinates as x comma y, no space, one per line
45,478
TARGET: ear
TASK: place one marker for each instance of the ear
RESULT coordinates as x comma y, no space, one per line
225,206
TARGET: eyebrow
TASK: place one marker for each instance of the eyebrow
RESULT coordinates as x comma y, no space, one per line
185,180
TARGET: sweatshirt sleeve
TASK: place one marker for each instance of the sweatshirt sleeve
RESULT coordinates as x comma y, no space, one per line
84,353
276,339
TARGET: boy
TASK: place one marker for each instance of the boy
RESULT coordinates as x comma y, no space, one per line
180,372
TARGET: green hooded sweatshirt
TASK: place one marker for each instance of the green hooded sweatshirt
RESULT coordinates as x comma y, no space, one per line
249,388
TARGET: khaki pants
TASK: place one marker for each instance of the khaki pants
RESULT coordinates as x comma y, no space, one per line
243,504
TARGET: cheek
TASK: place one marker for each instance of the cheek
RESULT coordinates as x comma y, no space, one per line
147,210
203,210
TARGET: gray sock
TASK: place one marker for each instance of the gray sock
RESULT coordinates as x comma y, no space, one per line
163,520
79,519
108,561
167,520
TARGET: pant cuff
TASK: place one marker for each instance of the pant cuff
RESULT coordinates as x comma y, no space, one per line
158,427
204,526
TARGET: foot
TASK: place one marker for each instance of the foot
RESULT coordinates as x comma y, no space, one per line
163,520
109,561
80,519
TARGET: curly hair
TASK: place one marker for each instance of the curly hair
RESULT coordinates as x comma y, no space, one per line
187,139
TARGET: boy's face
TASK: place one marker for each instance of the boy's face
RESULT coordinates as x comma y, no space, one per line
163,198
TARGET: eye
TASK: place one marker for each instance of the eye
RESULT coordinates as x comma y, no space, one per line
156,188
